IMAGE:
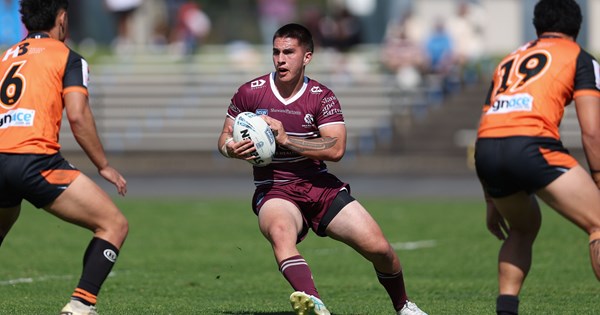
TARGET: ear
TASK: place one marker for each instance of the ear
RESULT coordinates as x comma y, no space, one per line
307,57
61,17
61,24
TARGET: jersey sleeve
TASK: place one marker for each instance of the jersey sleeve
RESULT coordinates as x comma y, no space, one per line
587,75
76,76
330,110
238,103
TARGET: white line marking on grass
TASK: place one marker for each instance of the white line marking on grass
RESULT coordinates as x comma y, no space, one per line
414,245
41,279
396,246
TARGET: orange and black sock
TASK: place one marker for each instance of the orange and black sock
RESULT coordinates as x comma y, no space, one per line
99,258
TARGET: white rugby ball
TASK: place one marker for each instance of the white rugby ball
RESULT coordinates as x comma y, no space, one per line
248,125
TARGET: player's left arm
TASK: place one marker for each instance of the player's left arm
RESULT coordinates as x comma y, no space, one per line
587,103
81,119
84,130
331,146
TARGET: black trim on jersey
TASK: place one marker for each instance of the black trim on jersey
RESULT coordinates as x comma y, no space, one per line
585,78
488,98
37,35
74,71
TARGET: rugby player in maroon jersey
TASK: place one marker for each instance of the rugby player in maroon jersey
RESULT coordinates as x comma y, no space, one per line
295,192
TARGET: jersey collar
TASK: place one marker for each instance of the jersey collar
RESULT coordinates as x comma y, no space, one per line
38,35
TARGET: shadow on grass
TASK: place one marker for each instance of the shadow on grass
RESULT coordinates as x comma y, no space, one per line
259,313
262,313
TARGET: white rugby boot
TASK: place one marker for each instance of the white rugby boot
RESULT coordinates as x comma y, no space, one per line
75,307
304,304
411,308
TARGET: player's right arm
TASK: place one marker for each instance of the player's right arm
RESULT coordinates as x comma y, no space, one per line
231,149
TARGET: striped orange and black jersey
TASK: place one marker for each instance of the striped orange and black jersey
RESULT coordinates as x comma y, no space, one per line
35,74
532,86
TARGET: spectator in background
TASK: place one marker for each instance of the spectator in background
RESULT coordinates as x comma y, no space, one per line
12,29
340,31
439,48
466,29
405,59
191,28
442,69
311,18
123,11
273,14
403,55
413,26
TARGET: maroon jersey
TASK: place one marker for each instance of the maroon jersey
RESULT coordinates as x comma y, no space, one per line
313,107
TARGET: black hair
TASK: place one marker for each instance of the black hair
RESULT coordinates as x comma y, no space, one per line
562,16
297,31
40,15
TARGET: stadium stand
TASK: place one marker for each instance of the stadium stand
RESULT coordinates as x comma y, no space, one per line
156,103
158,112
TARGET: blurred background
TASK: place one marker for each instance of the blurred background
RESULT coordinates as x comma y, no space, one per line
411,75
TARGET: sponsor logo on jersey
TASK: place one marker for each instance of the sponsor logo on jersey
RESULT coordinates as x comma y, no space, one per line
286,111
316,90
110,255
17,118
257,83
329,108
261,111
309,119
511,103
234,108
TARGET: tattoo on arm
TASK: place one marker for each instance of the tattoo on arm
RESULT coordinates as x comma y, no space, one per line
301,145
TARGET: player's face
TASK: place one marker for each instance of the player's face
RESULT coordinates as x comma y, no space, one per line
289,59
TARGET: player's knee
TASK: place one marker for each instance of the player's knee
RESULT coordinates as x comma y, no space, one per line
381,251
280,233
116,228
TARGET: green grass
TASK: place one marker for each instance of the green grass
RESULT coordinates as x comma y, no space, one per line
208,257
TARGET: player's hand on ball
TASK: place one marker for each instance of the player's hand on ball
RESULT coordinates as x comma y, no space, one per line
242,150
238,150
276,126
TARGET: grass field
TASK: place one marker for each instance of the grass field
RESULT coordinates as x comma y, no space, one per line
208,257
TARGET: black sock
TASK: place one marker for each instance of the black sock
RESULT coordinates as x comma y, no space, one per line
507,305
98,260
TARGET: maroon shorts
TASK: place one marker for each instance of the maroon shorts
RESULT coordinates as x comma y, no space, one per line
313,196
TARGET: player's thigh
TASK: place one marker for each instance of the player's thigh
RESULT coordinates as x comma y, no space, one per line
521,211
8,216
280,216
355,226
575,196
84,203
